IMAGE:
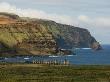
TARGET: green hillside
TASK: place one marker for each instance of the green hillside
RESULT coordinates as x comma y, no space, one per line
26,36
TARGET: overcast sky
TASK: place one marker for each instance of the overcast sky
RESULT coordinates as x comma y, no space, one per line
93,15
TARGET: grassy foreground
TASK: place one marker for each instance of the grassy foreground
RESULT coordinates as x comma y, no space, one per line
44,73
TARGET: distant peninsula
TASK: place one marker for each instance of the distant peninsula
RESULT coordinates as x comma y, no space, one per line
31,36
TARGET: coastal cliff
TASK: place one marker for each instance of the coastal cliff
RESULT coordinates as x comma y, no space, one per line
26,36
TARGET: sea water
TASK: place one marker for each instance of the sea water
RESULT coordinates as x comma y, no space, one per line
84,56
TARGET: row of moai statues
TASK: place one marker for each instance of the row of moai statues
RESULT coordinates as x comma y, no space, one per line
51,62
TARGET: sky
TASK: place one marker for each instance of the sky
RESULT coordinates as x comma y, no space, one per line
93,15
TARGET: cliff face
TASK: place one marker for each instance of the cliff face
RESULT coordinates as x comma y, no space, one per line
39,37
26,38
69,36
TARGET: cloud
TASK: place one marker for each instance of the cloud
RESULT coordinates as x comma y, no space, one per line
97,22
103,22
83,18
51,2
80,20
6,7
98,26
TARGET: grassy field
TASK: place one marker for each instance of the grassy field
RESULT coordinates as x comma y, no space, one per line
46,73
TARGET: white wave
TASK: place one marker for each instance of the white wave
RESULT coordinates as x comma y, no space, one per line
6,58
26,58
77,48
82,48
53,56
86,48
69,55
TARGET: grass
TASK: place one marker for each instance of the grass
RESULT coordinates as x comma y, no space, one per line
46,73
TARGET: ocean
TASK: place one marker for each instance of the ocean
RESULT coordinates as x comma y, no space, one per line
84,56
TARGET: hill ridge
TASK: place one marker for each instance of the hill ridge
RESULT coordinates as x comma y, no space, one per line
38,36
